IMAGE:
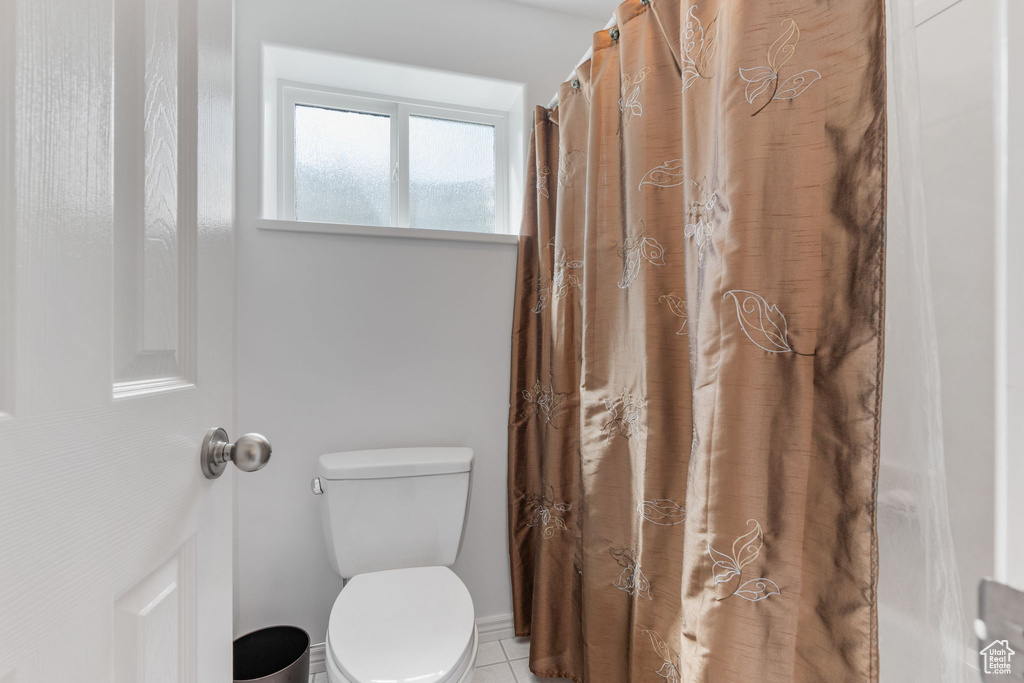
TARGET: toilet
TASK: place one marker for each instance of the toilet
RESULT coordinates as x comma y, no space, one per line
393,521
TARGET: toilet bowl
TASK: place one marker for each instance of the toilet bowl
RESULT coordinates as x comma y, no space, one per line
402,626
393,521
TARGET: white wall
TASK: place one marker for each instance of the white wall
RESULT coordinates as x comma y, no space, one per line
957,62
351,342
1010,302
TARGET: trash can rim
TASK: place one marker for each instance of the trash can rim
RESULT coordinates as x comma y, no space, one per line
304,654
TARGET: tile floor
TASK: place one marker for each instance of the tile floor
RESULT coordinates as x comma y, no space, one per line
504,661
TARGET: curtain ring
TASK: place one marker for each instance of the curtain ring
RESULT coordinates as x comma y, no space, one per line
614,33
575,83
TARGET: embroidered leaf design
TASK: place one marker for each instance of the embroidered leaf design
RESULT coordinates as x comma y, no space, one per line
556,524
543,287
660,646
630,104
636,249
668,174
542,182
630,268
763,323
641,586
756,590
563,277
557,286
542,515
678,308
759,79
675,304
624,413
693,36
795,85
662,511
544,401
669,670
652,250
747,547
784,47
701,225
723,567
690,74
628,80
698,47
631,579
710,47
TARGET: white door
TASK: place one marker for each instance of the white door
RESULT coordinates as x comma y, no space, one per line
116,335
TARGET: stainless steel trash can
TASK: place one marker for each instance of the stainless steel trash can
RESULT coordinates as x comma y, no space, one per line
278,654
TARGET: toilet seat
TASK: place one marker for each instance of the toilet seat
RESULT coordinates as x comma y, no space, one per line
404,626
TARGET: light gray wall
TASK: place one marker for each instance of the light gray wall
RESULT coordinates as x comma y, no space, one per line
349,342
957,64
1010,280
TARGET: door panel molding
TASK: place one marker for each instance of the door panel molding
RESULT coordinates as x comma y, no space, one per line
154,624
155,156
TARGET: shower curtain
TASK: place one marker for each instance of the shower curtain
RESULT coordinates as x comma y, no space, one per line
697,349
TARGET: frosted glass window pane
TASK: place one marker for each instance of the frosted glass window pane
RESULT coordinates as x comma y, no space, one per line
451,175
342,166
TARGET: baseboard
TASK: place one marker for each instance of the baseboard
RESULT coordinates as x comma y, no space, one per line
495,628
316,659
488,630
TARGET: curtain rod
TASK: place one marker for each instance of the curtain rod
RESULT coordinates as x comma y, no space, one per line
587,55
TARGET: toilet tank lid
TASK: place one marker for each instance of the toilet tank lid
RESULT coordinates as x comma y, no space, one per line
395,462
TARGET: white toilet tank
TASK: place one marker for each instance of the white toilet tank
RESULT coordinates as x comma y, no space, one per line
394,508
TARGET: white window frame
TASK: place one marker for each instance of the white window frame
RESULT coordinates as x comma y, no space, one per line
291,94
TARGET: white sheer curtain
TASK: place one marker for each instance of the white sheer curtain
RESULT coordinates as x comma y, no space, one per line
922,632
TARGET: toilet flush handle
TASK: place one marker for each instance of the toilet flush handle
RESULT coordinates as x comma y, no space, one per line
318,490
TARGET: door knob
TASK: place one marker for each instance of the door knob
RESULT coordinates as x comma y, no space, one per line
250,453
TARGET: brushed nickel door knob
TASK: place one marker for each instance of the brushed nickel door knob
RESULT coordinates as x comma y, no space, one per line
250,453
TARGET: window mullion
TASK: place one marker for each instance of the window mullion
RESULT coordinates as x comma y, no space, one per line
396,156
403,165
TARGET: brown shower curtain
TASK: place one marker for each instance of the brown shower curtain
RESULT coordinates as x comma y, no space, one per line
697,349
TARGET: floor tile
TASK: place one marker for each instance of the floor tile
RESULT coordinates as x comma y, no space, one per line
495,673
516,648
489,653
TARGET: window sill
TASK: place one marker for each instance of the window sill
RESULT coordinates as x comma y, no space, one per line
382,231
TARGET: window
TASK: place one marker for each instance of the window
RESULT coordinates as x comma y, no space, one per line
361,160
